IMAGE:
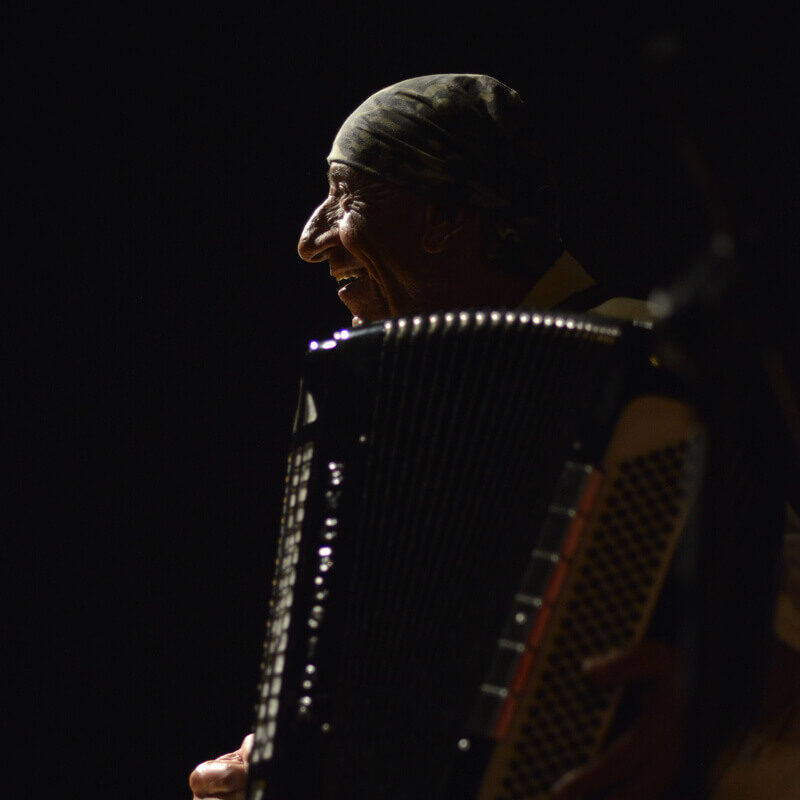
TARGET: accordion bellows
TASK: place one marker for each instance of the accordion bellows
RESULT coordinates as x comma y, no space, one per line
473,504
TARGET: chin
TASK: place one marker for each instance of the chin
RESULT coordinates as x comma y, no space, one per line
369,313
367,318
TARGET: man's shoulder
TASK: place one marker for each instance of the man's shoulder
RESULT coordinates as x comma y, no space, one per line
566,285
625,308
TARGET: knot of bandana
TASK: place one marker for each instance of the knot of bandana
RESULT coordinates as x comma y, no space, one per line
465,139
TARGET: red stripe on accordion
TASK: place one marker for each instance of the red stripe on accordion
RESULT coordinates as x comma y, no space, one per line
568,549
504,718
556,582
590,492
523,670
572,538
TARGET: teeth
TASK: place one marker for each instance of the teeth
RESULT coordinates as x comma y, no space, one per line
344,280
348,276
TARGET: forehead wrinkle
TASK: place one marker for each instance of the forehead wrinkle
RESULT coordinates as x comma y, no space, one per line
340,173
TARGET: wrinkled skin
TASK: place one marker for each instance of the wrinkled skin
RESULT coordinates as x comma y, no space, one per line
224,777
411,255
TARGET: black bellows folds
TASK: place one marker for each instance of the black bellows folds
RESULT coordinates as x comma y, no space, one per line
424,455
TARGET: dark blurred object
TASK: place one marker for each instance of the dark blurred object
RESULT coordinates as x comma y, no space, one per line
727,331
727,337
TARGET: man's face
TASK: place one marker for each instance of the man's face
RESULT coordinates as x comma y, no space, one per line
371,235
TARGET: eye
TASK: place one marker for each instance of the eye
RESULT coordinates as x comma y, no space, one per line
341,193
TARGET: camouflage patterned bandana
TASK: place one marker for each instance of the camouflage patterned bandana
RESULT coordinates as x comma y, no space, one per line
461,138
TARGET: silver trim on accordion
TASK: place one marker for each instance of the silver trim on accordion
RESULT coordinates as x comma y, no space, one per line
452,497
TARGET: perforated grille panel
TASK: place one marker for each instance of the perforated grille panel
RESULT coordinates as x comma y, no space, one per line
455,430
605,603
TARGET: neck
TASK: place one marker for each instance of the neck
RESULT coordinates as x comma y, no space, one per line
471,284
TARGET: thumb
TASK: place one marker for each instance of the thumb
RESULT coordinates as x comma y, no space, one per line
247,748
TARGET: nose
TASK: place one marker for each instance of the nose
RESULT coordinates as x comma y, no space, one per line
320,234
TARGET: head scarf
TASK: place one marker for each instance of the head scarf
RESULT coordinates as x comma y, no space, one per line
466,139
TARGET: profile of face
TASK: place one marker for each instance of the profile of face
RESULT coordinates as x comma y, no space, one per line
373,236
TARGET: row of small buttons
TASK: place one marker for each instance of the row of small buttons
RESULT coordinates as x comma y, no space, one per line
276,641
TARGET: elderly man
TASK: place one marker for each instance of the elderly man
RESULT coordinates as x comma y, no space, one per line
440,198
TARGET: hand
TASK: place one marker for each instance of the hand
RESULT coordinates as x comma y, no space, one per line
224,777
645,760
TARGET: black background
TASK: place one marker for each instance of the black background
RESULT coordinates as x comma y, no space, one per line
172,160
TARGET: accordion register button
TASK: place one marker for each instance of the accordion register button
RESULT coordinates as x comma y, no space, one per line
332,498
504,663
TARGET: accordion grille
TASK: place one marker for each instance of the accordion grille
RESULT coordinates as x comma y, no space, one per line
605,605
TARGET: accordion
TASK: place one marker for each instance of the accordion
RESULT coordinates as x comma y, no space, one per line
474,503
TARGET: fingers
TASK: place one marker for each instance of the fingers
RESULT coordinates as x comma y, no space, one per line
647,660
246,748
615,764
220,775
648,755
644,761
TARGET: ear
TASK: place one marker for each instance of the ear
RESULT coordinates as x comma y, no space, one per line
442,225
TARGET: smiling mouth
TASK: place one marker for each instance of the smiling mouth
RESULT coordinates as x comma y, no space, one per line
344,279
361,293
